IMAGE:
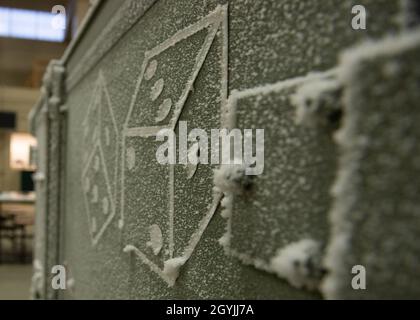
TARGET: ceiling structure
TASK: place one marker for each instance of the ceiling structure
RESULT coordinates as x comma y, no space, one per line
22,61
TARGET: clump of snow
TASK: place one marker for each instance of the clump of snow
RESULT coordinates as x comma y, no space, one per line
315,101
224,240
337,248
37,279
230,178
390,46
227,205
71,283
351,144
300,264
172,267
257,263
129,248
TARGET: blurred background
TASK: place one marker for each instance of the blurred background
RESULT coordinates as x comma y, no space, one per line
30,36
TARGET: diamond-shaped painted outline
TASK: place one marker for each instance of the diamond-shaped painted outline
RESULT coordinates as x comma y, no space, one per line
103,86
92,106
99,87
215,21
95,238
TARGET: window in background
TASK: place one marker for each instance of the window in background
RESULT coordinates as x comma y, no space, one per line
30,24
7,120
21,148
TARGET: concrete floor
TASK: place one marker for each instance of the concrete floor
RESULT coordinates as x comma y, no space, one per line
15,281
15,278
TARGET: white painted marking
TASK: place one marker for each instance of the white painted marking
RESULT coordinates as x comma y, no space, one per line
156,239
131,158
87,184
95,133
107,137
120,224
151,70
105,205
95,194
171,208
144,132
213,22
96,160
192,168
163,110
93,225
96,163
130,248
156,89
